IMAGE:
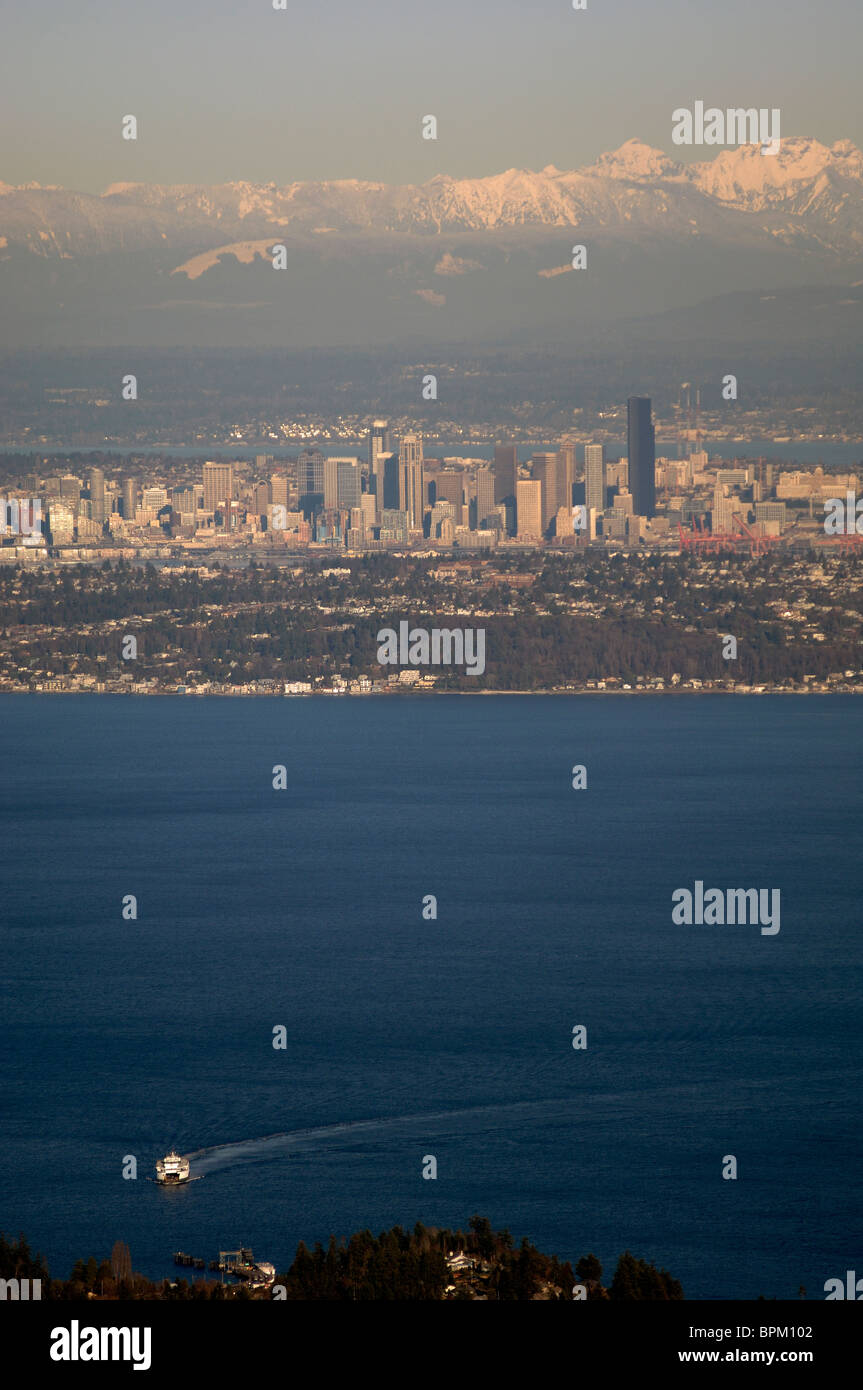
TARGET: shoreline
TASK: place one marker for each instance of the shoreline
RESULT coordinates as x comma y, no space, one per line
414,694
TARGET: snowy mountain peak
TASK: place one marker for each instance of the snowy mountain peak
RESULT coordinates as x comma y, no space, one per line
635,161
746,177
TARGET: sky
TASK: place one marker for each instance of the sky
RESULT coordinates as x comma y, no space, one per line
328,89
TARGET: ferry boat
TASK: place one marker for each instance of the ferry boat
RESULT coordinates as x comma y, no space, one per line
172,1169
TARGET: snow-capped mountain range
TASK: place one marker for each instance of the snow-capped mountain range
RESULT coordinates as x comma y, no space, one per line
809,196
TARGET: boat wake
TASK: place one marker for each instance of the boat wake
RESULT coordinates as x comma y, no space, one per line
219,1156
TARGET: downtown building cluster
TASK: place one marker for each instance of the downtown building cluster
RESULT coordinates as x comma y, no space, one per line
397,497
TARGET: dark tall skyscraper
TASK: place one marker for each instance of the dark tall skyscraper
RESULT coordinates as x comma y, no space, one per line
388,484
642,455
505,471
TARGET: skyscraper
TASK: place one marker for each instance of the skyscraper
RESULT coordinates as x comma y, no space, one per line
565,474
97,495
411,498
130,498
642,455
594,477
484,494
183,500
505,471
394,525
411,448
218,485
379,442
310,472
279,489
350,480
545,470
528,496
70,490
449,486
386,483
411,493
331,483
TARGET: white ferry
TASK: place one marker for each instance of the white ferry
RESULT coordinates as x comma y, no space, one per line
172,1169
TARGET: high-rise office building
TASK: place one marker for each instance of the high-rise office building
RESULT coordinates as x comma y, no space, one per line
394,525
70,490
641,443
368,514
379,442
182,500
384,483
153,499
484,494
97,495
411,448
130,498
449,486
544,469
349,482
505,471
594,477
310,472
565,474
411,493
411,483
61,523
279,489
528,503
724,510
441,511
218,485
331,483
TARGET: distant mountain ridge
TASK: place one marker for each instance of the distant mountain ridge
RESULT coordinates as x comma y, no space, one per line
808,194
446,261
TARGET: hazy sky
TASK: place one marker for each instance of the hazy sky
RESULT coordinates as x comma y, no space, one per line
231,89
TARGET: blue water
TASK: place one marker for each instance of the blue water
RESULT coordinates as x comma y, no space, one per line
452,1037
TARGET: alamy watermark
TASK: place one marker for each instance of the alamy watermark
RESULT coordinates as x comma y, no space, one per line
23,1290
442,646
718,907
77,1343
849,1288
734,126
20,516
843,518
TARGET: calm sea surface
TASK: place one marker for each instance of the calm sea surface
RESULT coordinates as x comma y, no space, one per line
451,1038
